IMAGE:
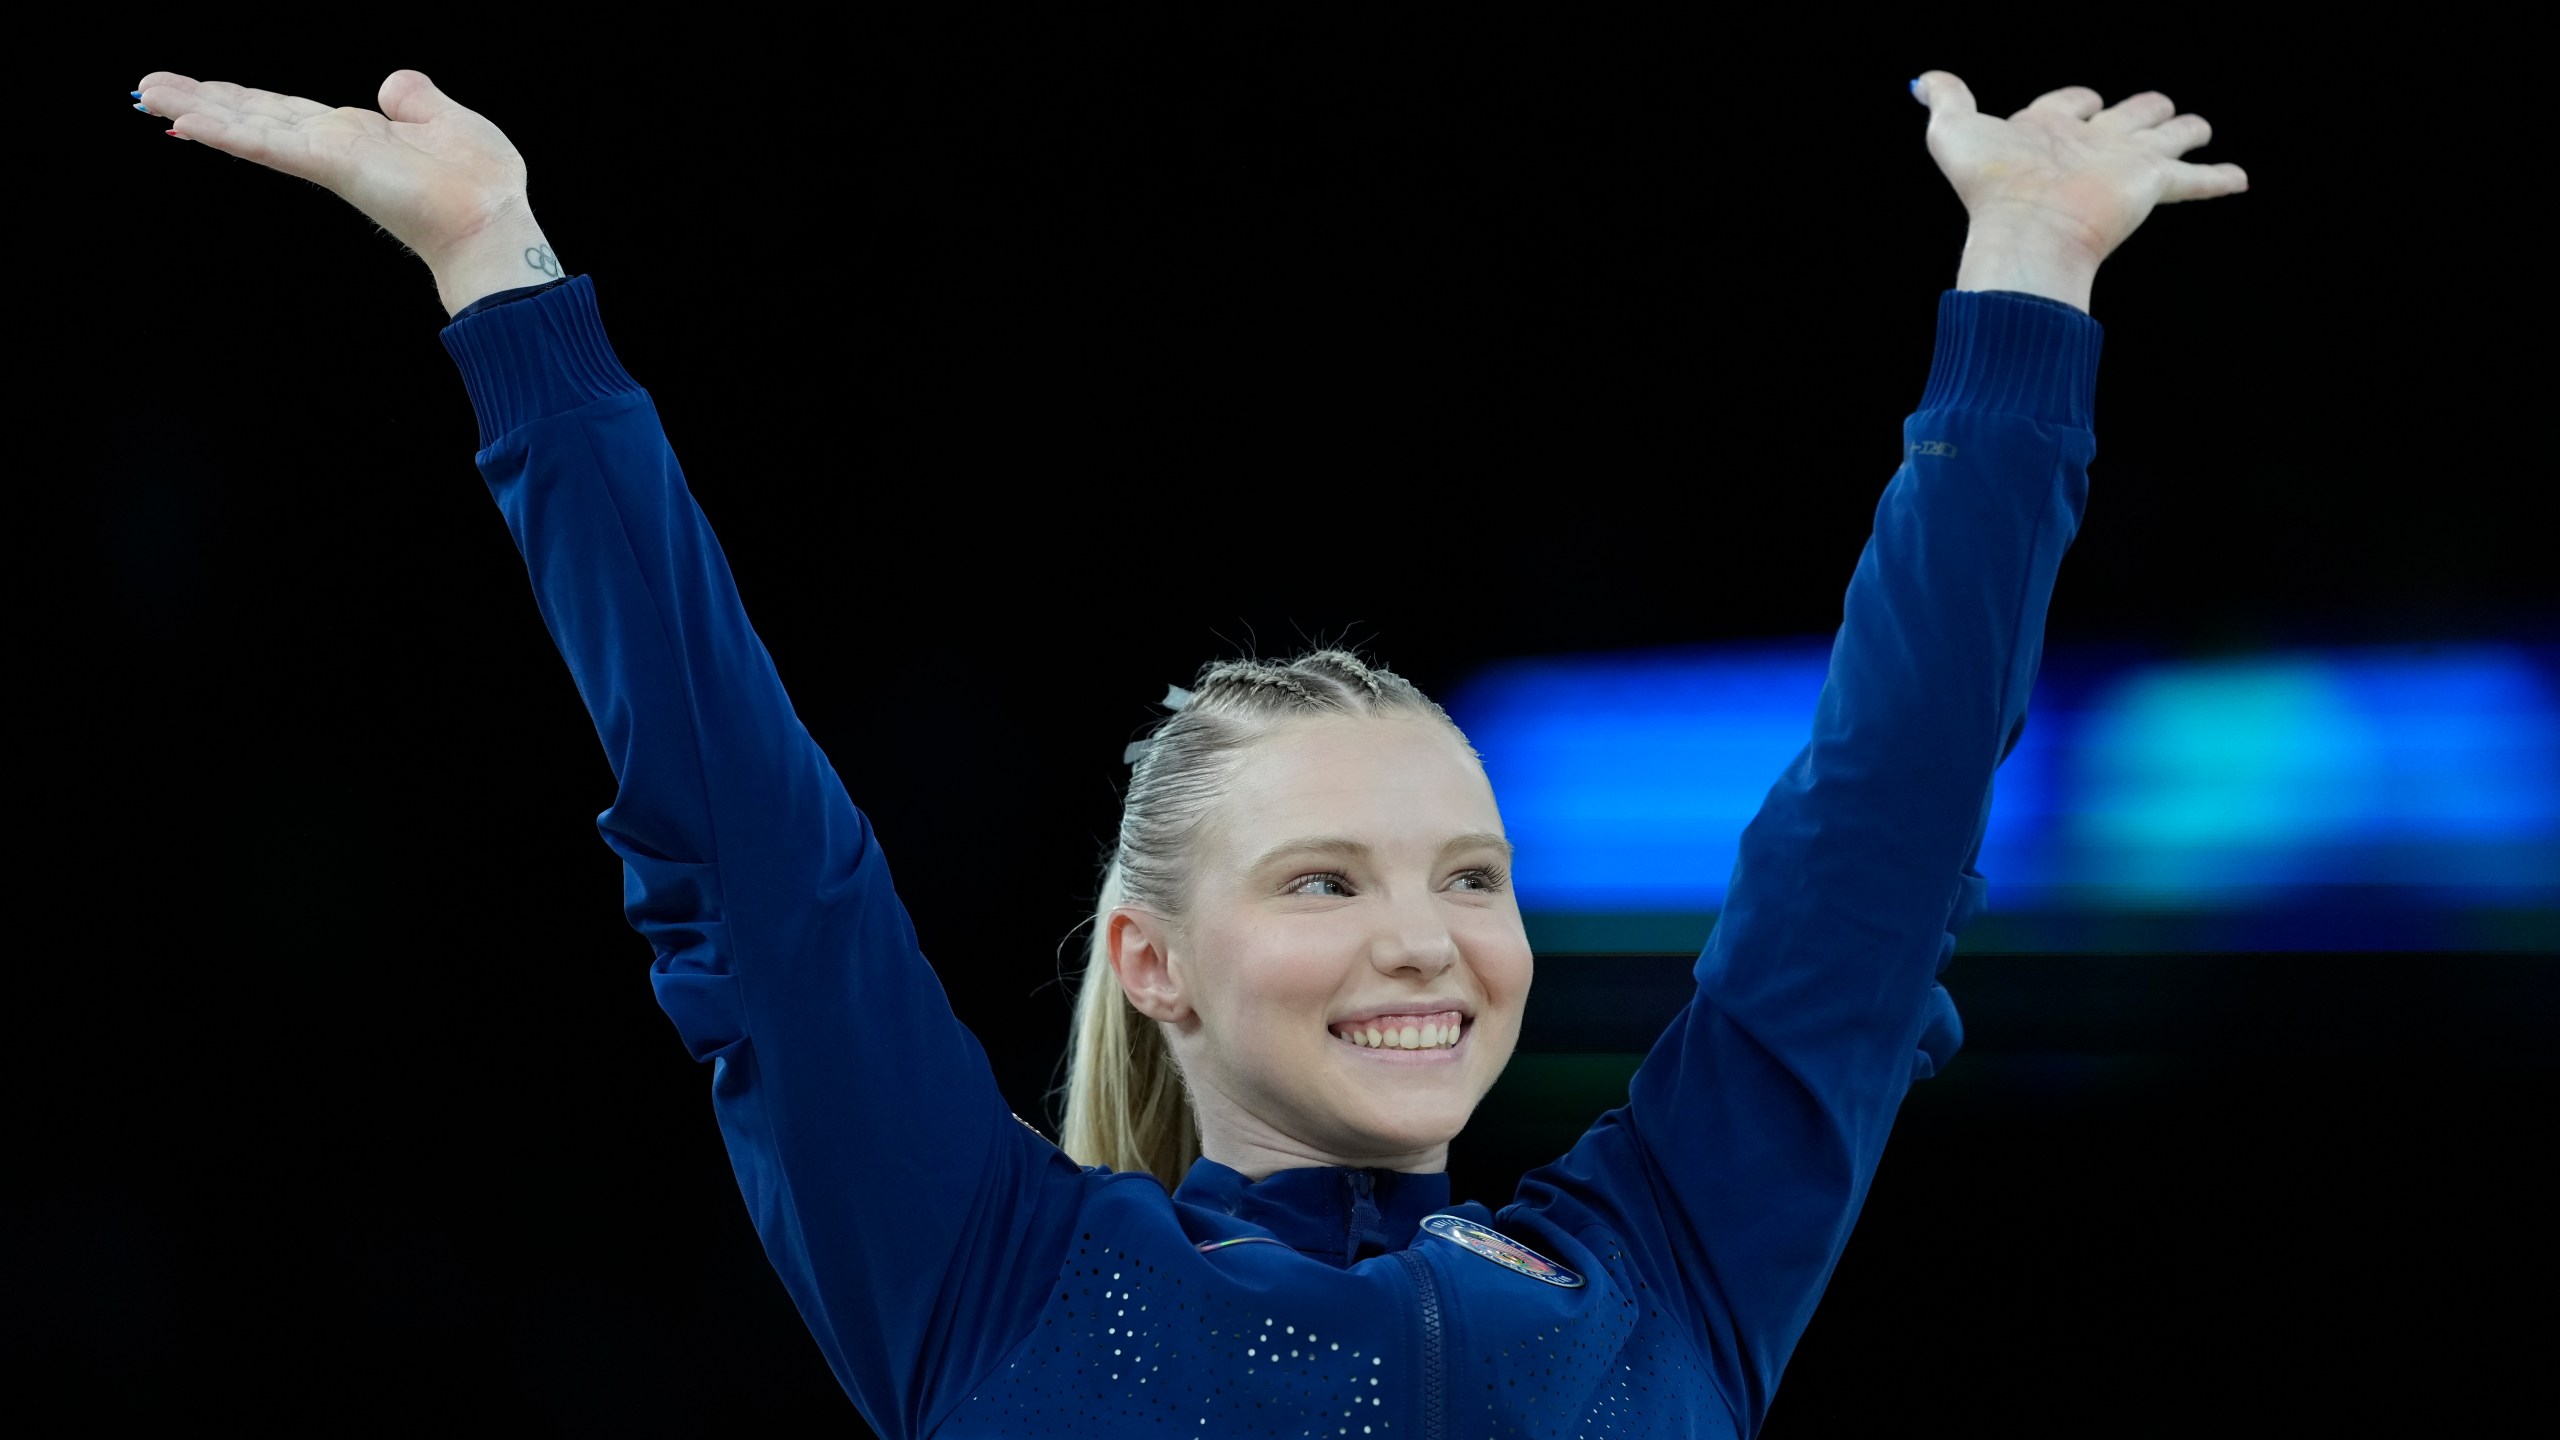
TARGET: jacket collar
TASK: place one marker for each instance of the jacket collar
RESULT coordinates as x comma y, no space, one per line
1327,1212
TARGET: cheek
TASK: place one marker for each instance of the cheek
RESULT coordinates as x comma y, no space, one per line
1294,968
1498,949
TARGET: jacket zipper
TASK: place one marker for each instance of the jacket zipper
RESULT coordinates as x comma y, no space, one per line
1435,1395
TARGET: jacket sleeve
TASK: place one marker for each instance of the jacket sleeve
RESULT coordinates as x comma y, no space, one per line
905,1209
1754,1126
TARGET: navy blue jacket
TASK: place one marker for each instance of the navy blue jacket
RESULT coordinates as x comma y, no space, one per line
965,1278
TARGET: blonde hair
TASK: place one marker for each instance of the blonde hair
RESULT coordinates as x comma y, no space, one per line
1128,1106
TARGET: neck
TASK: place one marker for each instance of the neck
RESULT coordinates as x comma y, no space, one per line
1261,1157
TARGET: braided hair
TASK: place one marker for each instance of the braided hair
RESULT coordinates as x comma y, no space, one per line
1127,1105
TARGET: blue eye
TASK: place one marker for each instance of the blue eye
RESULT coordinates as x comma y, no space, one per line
1482,878
1307,885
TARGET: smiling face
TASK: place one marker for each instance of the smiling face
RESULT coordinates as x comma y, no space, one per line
1354,865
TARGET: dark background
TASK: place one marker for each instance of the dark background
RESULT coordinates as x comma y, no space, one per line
1025,365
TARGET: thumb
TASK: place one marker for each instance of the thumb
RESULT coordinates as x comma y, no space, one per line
410,97
1944,94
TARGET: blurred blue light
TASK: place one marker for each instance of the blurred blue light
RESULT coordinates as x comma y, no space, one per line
2412,776
1625,780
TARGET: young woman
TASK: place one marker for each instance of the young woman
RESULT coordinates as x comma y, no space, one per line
1308,966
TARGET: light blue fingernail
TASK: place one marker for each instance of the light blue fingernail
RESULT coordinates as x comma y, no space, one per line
136,94
138,105
1915,87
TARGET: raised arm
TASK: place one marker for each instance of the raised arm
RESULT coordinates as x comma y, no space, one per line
1754,1127
912,1219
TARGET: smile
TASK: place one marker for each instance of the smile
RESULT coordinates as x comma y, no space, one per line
1432,1055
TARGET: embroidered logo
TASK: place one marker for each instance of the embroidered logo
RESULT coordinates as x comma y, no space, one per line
1499,1248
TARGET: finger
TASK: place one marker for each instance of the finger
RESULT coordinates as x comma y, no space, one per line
2079,102
2203,182
169,78
2141,112
2178,136
411,98
263,104
1944,94
261,139
170,96
163,90
226,101
250,137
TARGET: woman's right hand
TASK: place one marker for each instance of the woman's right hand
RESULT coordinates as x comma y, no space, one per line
435,174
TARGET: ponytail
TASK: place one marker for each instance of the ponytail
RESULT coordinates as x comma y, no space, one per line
1127,1107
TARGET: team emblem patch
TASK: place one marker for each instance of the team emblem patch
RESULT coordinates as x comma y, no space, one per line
1499,1248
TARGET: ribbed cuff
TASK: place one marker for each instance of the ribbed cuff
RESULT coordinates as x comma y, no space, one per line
2015,354
542,356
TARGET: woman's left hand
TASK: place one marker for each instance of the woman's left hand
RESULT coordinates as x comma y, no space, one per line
2063,182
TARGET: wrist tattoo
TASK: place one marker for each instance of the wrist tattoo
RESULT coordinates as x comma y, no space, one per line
541,258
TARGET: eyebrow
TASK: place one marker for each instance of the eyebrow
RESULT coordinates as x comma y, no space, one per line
1359,850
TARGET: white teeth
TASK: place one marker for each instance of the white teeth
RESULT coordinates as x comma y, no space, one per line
1426,1035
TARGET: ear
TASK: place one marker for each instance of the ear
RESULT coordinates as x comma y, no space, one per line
1141,955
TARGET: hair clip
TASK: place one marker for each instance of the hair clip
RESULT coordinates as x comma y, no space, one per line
1175,697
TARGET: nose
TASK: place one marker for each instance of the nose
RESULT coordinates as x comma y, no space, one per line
1414,937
